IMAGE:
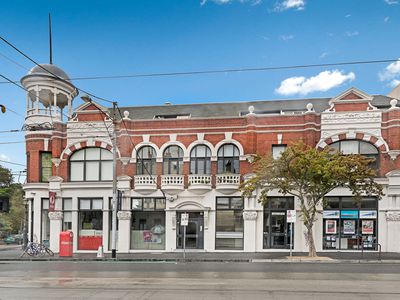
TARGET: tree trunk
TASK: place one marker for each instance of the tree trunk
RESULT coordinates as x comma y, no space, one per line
310,239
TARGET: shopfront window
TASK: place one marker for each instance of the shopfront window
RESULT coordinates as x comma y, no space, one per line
173,160
45,226
229,223
228,159
276,232
91,164
67,214
350,224
148,223
146,161
90,224
200,160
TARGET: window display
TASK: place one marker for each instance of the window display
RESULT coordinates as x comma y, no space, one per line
349,226
148,224
90,224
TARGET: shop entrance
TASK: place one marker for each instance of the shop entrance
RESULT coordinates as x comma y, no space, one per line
277,232
194,231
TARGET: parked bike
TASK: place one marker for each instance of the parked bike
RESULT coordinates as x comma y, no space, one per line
36,249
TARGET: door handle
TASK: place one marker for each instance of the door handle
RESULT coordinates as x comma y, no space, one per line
201,228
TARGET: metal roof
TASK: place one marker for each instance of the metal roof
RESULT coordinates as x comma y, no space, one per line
235,109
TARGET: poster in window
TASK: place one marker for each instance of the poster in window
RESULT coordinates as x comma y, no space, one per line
367,227
349,226
147,236
330,226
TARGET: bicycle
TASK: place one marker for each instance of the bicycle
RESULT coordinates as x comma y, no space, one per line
36,249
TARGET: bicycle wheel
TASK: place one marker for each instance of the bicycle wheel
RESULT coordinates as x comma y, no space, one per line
49,252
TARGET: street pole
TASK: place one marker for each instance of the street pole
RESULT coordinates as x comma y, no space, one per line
114,202
184,242
291,238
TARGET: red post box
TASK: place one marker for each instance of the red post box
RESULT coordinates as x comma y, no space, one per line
66,243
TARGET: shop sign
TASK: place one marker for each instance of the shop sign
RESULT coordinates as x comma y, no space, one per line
291,216
367,227
52,201
349,214
349,227
368,214
331,214
330,227
184,219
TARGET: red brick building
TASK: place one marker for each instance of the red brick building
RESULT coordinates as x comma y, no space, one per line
175,159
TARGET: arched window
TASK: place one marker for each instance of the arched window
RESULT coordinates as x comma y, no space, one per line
146,161
173,160
358,147
228,159
91,164
200,160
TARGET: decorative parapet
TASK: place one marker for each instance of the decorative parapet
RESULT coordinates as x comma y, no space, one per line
393,216
250,215
124,215
55,215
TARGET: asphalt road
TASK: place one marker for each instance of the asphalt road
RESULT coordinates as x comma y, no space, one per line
115,280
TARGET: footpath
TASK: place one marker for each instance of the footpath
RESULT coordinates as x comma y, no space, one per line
13,253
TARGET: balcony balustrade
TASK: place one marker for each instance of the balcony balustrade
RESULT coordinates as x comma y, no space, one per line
199,184
172,184
227,183
145,184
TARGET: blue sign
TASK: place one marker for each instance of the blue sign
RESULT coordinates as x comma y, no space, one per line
349,214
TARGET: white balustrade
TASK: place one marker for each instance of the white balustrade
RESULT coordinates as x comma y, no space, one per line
145,180
172,180
228,179
200,179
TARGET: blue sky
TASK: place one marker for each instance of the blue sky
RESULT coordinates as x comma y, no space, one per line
96,38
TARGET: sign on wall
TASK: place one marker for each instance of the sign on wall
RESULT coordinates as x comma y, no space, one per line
291,216
368,214
184,219
331,214
52,201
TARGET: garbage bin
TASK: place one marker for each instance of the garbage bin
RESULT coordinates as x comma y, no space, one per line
66,243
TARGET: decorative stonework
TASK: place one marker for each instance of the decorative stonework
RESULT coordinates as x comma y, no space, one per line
393,216
124,215
55,215
393,154
250,215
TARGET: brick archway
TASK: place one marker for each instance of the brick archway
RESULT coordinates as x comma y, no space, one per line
84,144
378,142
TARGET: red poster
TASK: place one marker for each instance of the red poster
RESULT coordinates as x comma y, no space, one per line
52,201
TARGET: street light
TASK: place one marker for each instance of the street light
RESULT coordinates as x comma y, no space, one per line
87,99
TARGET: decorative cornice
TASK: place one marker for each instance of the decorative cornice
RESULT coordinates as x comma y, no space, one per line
393,216
250,215
55,215
124,215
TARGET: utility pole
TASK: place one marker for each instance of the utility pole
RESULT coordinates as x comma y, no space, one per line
114,202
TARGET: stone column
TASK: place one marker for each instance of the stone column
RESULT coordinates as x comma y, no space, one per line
124,231
56,218
250,230
393,228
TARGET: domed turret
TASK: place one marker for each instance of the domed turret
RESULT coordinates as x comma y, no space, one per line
50,91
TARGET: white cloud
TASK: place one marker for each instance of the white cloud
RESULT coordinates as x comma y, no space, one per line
386,19
290,4
4,157
394,83
252,2
347,16
323,55
322,82
391,71
286,38
351,33
391,2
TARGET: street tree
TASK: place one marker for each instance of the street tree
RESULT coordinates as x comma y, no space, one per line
309,175
11,221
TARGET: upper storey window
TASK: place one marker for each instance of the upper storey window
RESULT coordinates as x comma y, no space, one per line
200,160
45,166
358,147
91,164
228,159
173,160
146,161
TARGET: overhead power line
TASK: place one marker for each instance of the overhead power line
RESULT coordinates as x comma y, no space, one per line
233,70
11,163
